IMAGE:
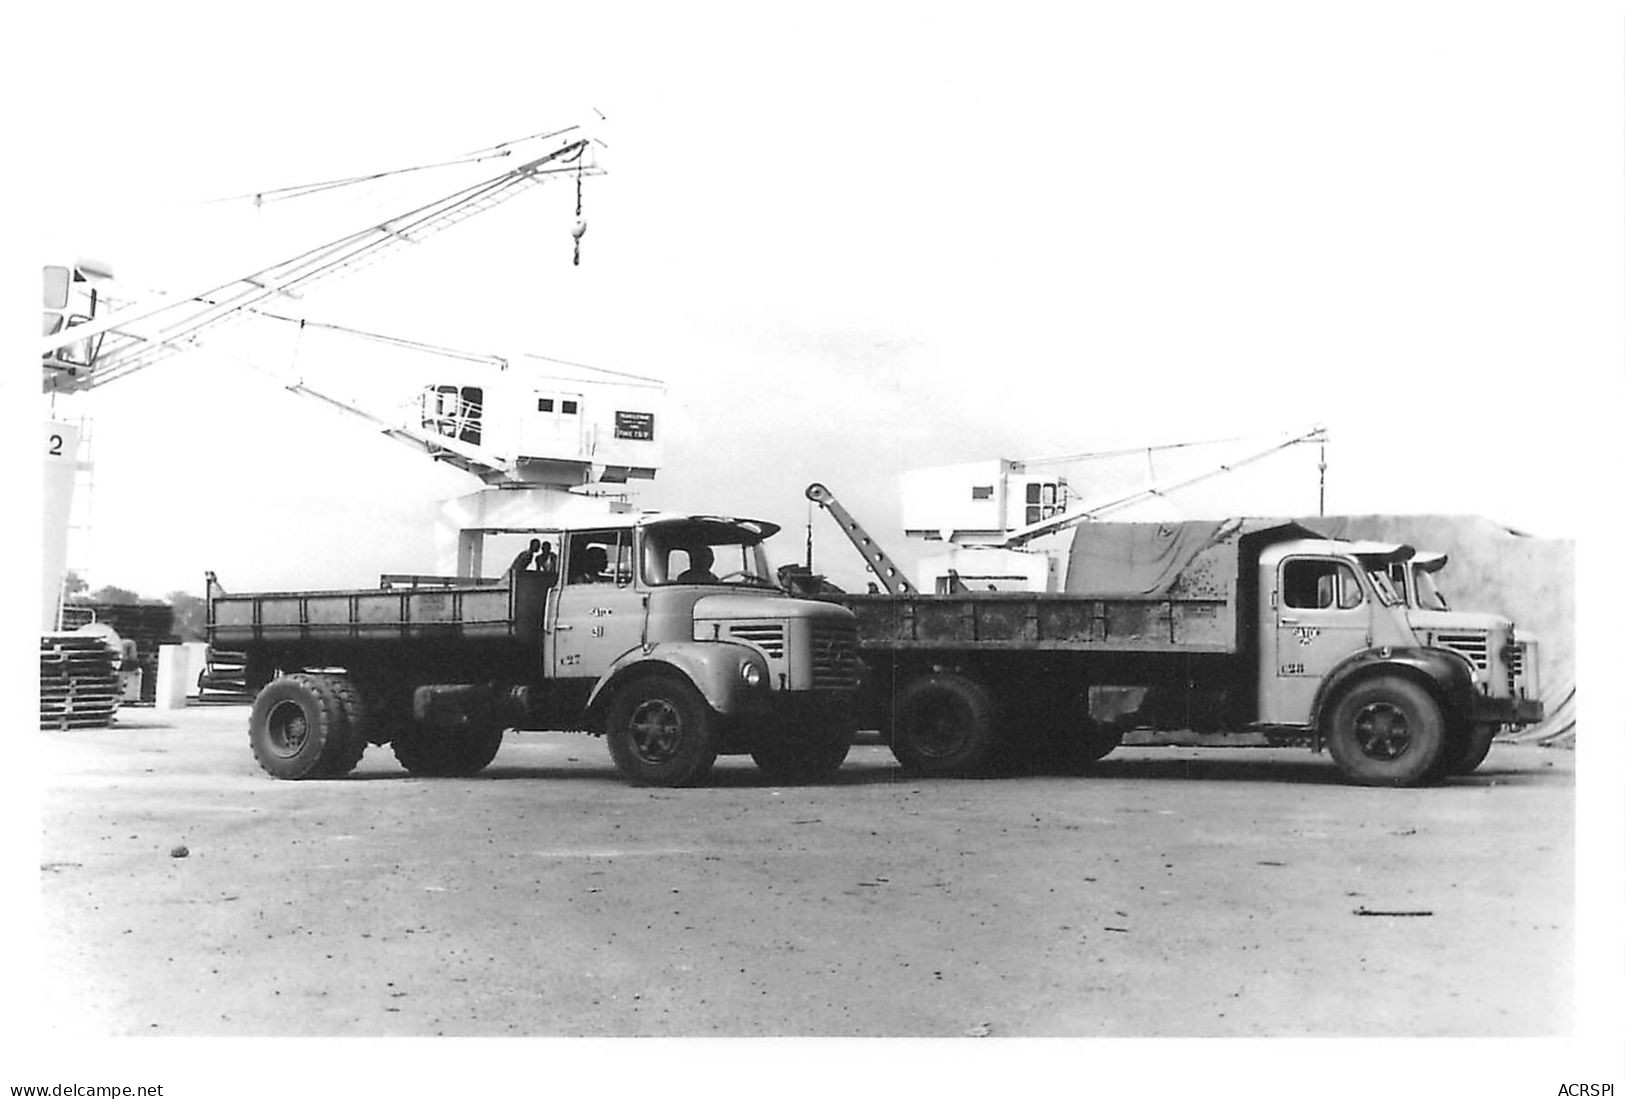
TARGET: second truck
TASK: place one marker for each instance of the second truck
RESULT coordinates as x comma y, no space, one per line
1242,625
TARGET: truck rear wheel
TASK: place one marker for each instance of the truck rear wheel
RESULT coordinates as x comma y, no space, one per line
447,753
298,728
1386,731
943,725
1081,748
348,749
661,732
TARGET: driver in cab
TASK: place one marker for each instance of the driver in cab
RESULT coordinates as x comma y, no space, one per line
700,560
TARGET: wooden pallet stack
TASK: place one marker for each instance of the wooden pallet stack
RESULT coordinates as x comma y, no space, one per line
78,682
149,625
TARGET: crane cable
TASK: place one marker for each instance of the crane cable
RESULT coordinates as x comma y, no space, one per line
303,190
580,226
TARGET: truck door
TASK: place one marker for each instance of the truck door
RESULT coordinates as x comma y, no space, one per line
598,614
1322,614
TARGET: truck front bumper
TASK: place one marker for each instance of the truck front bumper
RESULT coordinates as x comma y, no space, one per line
789,714
1485,710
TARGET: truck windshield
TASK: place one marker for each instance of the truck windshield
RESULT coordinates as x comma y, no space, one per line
706,552
1384,586
1428,595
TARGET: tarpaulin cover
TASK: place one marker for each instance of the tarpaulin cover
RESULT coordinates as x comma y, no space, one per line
1138,558
1147,559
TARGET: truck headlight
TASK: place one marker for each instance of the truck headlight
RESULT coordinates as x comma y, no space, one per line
751,673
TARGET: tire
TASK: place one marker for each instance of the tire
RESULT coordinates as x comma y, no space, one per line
661,732
1080,749
446,753
1468,749
805,755
348,747
943,725
298,728
1386,732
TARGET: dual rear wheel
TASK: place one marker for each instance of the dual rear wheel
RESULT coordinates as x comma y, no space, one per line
317,725
308,725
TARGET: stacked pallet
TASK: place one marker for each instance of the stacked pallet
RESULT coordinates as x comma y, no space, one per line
78,682
148,625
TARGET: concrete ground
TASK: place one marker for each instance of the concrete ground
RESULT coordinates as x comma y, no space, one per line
1178,892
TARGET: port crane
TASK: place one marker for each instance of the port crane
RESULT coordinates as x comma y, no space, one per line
85,346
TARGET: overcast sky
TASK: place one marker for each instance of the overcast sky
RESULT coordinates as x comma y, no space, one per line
853,243
857,239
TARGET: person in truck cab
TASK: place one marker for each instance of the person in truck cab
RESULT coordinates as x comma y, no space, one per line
589,565
700,560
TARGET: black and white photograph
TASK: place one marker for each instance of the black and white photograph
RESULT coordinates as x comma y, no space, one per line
746,547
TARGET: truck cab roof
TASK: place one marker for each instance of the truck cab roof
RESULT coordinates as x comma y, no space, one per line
1371,554
756,529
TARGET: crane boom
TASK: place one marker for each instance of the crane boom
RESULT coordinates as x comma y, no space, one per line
891,577
137,338
1072,517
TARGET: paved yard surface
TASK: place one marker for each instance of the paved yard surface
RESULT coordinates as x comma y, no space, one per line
1178,892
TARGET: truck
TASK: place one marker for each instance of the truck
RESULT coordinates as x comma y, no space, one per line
1242,626
664,633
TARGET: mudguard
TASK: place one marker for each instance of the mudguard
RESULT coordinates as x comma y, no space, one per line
1448,675
713,667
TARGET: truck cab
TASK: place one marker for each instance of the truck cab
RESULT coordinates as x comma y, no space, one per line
666,594
1381,674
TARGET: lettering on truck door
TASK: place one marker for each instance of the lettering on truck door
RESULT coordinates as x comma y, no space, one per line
599,611
1322,614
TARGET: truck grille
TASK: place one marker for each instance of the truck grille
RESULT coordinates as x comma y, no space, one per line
834,654
1523,669
767,636
1474,646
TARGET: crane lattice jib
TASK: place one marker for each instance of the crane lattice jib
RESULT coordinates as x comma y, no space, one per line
138,338
891,577
1017,538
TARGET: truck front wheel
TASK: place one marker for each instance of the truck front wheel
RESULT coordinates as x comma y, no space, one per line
1469,748
1386,732
943,725
661,732
299,728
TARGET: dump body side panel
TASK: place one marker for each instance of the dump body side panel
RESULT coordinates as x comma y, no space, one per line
1043,622
506,612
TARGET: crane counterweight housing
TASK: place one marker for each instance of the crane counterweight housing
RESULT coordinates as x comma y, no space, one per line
529,420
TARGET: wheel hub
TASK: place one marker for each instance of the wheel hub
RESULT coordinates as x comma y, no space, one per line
657,731
940,731
1382,731
288,728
